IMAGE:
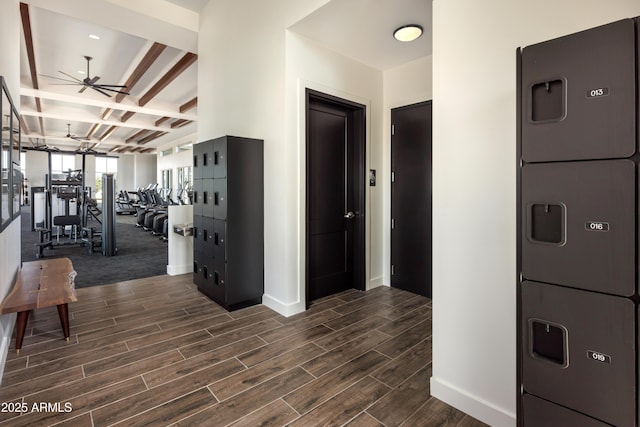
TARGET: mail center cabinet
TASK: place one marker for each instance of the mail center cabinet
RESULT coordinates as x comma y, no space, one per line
228,220
578,237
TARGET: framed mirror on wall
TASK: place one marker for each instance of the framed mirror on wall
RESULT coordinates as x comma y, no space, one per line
10,146
16,146
5,158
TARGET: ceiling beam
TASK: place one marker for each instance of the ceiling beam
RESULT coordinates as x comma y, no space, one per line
23,125
171,111
149,58
179,123
93,130
162,120
106,114
137,135
143,66
28,38
189,105
126,116
156,134
28,41
108,133
184,63
115,148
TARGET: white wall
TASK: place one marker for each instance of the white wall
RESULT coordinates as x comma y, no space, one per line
241,91
37,165
474,223
10,236
310,65
126,173
406,84
144,170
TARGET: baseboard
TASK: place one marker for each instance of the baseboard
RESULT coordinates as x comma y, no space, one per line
374,283
7,323
286,309
175,270
472,405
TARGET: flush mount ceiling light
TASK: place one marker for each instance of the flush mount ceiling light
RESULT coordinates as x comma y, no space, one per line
93,36
408,33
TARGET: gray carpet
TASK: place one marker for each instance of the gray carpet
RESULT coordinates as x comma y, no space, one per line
140,254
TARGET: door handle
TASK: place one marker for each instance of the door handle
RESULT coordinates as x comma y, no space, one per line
349,215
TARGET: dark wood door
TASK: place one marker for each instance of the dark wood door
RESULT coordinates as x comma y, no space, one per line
411,209
335,213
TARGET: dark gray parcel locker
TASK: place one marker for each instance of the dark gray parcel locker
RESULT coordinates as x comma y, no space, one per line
578,209
539,412
229,218
579,350
579,95
579,224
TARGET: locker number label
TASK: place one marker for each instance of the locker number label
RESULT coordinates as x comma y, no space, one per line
596,226
598,357
597,93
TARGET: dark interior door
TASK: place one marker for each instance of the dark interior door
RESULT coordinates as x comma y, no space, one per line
411,209
334,198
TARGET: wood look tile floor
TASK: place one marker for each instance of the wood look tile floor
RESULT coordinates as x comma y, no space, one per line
157,352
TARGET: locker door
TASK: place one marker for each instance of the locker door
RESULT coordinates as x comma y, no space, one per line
207,159
208,233
220,198
578,350
197,197
538,412
579,225
220,158
207,197
579,95
220,239
197,160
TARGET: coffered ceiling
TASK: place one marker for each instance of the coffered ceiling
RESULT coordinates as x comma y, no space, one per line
59,110
150,46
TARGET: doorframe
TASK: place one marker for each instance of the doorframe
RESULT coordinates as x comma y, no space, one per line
302,87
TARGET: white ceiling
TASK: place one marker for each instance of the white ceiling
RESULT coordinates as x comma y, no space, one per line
363,29
193,5
360,29
60,43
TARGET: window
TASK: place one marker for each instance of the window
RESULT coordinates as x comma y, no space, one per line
184,183
185,147
166,152
62,163
167,179
105,165
184,177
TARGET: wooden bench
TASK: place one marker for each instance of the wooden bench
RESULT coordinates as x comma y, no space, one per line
41,284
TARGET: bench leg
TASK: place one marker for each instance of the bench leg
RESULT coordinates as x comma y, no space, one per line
21,325
63,312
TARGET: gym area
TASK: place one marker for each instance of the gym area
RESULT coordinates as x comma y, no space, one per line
122,235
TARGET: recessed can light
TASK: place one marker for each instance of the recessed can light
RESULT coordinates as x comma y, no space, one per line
408,33
93,36
81,72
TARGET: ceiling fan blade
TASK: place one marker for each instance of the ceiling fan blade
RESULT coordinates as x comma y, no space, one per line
84,87
60,78
65,84
104,86
101,91
111,90
71,77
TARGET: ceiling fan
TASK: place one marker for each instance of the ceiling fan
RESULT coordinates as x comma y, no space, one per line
75,138
43,146
90,82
